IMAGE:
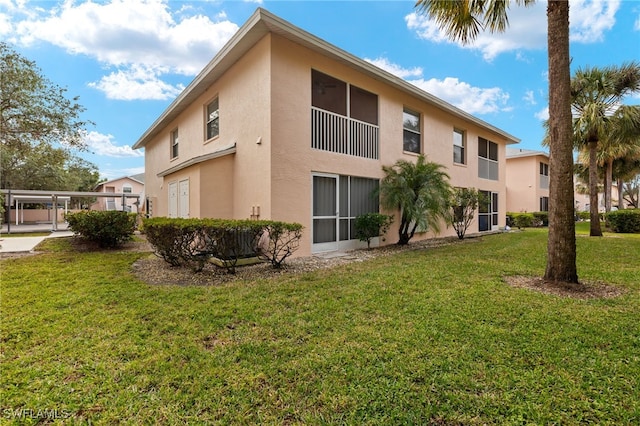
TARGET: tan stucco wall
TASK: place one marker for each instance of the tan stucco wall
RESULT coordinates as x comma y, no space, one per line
266,97
523,183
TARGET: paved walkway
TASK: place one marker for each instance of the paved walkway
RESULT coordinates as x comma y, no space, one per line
25,243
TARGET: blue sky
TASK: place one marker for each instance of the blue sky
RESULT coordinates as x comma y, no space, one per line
127,60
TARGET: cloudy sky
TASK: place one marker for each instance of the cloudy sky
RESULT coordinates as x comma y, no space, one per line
128,59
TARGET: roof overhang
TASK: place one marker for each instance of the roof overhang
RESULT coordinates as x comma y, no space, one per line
260,24
200,159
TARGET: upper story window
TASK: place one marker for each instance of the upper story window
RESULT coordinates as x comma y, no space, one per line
544,176
487,159
174,144
213,119
411,132
458,146
344,117
330,94
126,189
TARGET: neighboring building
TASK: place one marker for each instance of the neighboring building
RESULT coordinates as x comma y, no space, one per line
527,174
123,185
282,125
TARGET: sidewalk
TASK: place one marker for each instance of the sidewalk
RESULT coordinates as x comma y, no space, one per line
22,244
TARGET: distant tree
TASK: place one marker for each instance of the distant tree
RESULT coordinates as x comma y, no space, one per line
463,204
631,192
420,191
602,122
36,119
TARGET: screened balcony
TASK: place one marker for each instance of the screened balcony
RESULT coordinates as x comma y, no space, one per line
343,135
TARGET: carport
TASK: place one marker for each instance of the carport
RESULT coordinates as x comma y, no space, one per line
55,198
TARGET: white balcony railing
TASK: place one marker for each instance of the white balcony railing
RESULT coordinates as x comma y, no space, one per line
343,135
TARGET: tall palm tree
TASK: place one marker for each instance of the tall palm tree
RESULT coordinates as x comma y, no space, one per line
596,95
463,20
420,191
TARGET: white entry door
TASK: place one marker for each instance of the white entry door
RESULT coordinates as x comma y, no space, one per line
173,199
325,213
183,199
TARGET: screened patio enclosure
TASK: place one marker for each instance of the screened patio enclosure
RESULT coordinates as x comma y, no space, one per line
337,201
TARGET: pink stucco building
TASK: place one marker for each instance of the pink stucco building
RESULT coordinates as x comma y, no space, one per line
282,125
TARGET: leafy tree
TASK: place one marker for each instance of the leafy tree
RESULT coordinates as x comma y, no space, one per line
371,225
420,191
631,192
37,123
464,202
463,20
602,123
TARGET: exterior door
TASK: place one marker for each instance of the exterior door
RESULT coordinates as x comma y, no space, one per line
325,213
173,199
183,199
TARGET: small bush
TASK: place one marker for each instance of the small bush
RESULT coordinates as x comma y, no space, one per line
541,218
106,228
278,241
520,220
371,225
583,215
624,221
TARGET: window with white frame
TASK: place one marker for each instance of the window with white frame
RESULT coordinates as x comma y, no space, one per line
488,211
458,147
544,176
174,144
127,189
411,133
487,159
213,119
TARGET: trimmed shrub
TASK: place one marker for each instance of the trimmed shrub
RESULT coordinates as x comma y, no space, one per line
371,225
520,220
106,228
624,221
583,215
278,241
541,218
192,242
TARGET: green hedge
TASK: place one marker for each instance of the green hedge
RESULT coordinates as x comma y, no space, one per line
106,228
624,221
528,220
191,242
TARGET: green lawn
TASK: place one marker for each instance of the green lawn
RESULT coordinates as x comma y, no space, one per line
424,337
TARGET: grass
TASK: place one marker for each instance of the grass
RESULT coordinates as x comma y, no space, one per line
421,337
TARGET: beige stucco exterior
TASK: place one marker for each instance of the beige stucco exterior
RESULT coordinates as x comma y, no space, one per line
525,184
120,185
261,165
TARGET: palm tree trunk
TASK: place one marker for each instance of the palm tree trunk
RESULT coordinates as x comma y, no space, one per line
620,192
608,183
594,216
561,246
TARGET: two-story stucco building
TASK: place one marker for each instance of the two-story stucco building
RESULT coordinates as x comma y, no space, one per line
527,180
282,125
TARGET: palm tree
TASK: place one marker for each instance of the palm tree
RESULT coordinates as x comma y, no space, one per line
463,20
420,191
596,95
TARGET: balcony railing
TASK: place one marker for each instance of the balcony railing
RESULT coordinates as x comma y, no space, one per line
343,135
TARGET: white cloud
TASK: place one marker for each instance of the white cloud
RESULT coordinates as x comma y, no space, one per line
125,35
125,32
111,173
543,114
636,25
101,144
395,69
527,30
589,20
474,100
136,83
529,97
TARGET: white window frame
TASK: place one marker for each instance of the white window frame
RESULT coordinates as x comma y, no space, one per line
462,145
210,117
408,111
175,144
